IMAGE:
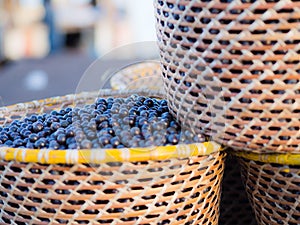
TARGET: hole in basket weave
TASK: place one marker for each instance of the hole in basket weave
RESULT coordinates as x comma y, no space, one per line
57,172
189,19
196,9
182,217
245,81
30,208
158,204
18,197
109,221
62,221
13,205
58,191
129,219
170,25
48,181
44,219
269,43
10,178
49,210
152,216
35,171
28,180
6,186
139,207
163,222
172,211
92,211
285,10
38,200
245,43
82,221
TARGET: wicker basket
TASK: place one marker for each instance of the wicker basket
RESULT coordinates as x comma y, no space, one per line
162,185
273,186
138,76
242,59
235,208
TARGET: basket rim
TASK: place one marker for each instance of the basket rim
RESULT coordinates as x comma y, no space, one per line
279,158
98,156
117,80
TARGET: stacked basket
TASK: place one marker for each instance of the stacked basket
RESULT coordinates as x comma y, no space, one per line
159,185
231,70
273,186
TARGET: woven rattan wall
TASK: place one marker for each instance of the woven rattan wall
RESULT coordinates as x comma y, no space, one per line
231,69
273,190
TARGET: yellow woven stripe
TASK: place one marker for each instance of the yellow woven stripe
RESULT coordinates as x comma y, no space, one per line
46,156
287,158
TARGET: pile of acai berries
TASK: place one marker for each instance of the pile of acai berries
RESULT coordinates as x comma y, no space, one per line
135,121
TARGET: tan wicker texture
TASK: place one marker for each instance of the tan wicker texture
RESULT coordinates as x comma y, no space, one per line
171,191
235,207
141,75
232,68
273,190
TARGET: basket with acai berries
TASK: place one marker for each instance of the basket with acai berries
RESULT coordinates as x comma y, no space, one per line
105,158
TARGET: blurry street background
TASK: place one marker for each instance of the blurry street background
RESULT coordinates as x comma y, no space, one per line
46,45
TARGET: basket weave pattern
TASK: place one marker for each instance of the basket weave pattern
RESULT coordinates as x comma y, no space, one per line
241,58
170,191
273,190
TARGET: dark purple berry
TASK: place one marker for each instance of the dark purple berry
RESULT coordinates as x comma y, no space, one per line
33,137
18,142
8,143
149,102
41,143
53,145
54,126
73,146
37,126
29,145
108,146
115,141
173,139
135,131
86,144
105,139
3,138
64,123
61,139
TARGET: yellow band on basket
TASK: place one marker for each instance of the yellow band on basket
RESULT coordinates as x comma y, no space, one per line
47,156
280,158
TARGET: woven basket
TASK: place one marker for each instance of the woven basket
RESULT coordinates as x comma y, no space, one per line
162,185
235,208
232,68
138,76
273,186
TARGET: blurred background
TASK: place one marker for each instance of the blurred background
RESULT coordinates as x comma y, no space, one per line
46,45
